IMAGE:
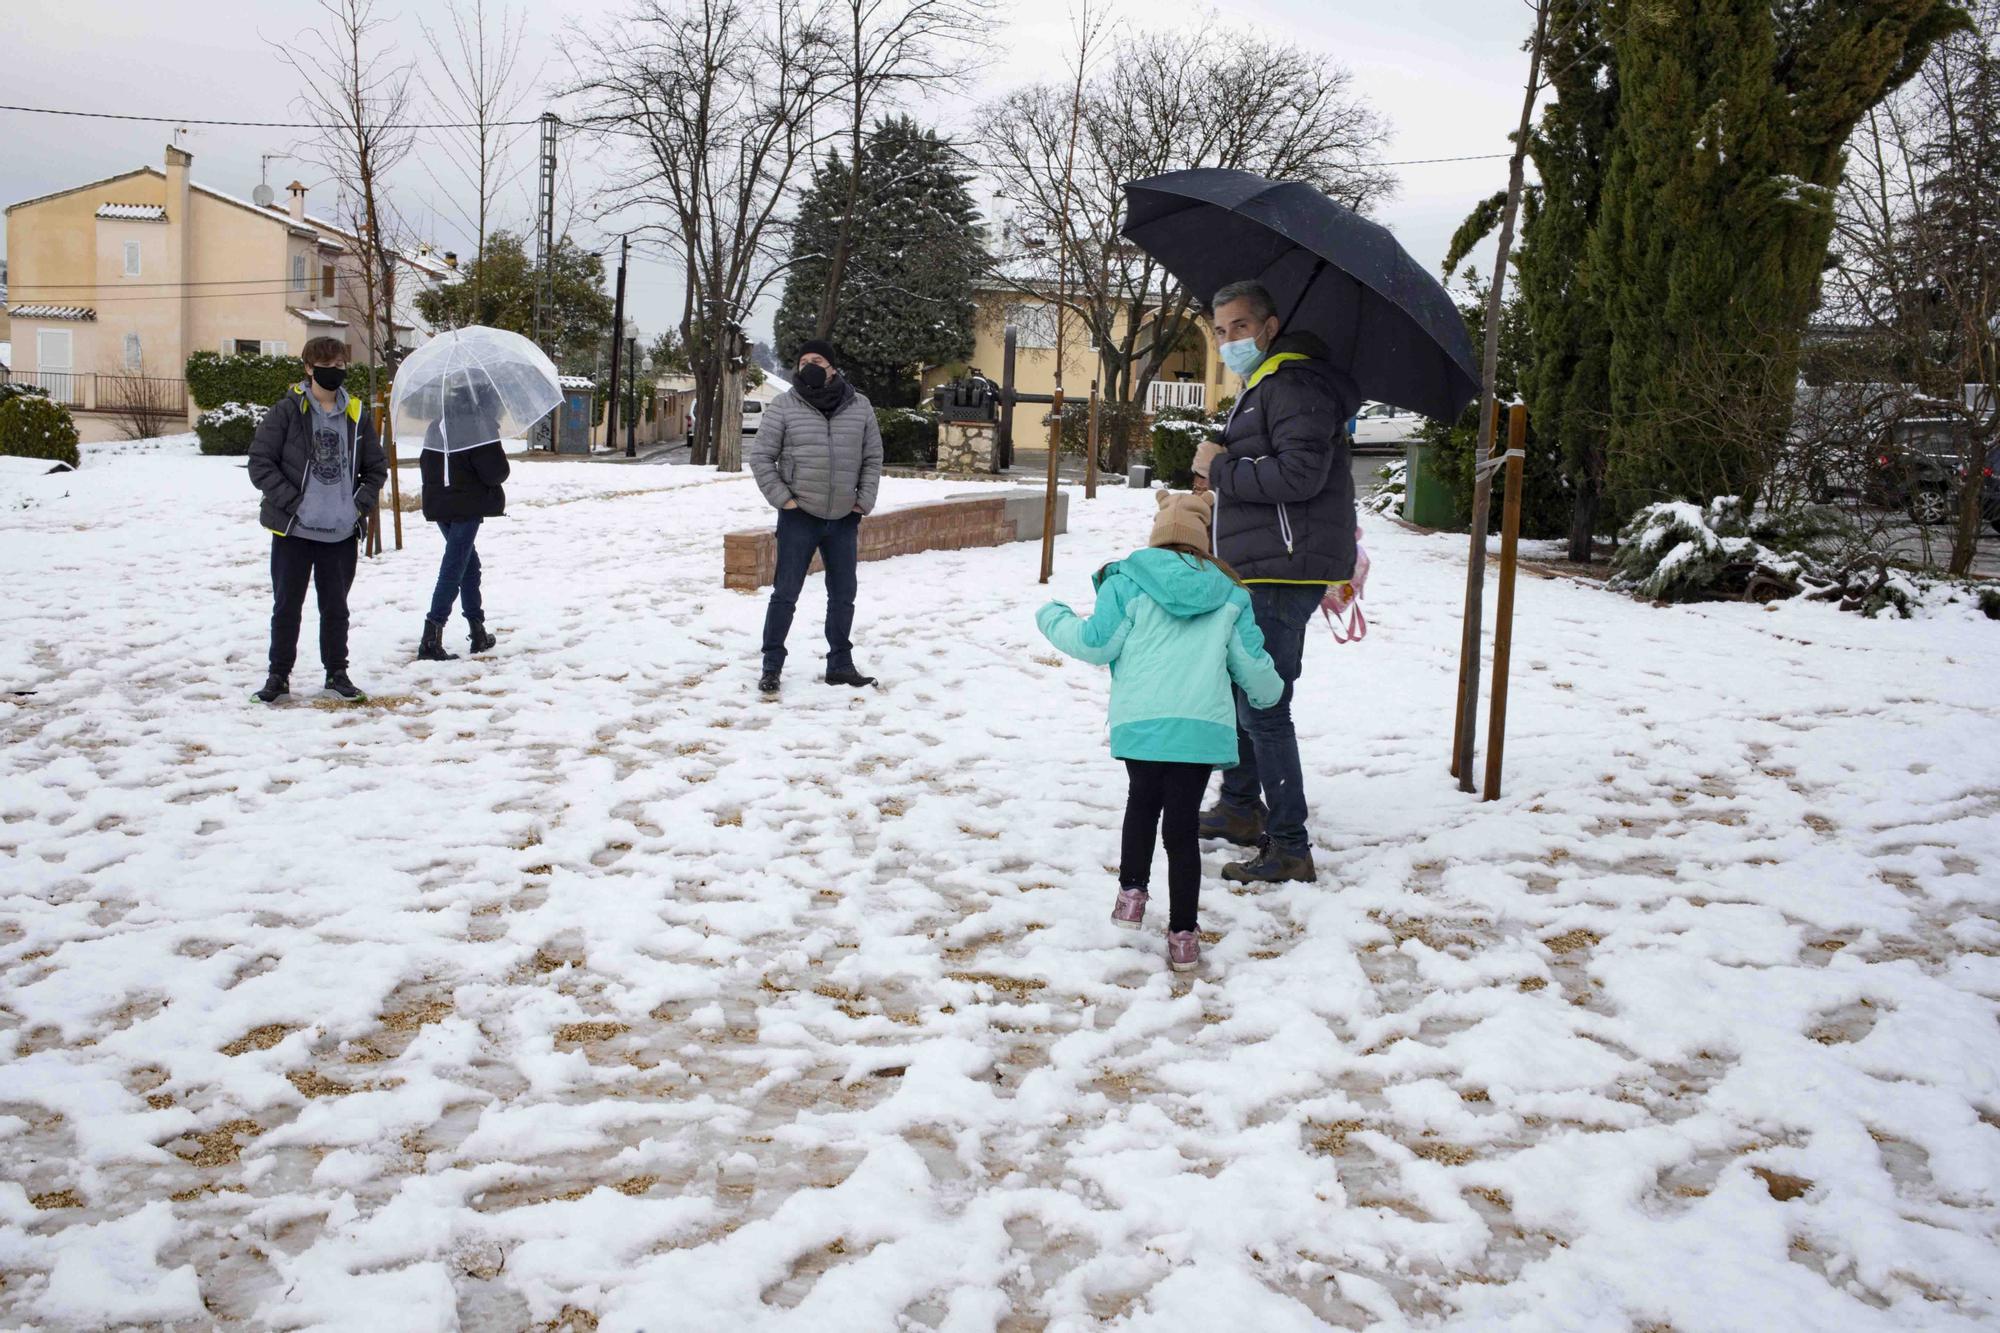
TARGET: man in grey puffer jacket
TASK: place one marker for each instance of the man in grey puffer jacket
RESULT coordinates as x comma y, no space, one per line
818,460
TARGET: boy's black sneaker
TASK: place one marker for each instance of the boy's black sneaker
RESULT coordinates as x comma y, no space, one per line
338,683
1271,866
275,688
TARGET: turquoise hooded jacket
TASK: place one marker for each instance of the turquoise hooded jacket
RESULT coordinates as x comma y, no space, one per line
1175,632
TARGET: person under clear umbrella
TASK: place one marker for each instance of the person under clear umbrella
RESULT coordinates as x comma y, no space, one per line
462,488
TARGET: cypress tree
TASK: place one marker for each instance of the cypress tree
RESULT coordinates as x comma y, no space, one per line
906,293
1716,210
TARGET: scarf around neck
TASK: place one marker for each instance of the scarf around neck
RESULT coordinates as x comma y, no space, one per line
829,397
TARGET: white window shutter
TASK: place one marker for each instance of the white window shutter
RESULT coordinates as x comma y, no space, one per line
131,259
135,356
275,348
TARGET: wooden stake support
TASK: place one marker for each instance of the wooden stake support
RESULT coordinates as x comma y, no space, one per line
1503,611
1090,463
1466,722
1049,504
388,434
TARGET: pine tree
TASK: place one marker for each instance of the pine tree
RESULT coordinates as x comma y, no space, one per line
906,293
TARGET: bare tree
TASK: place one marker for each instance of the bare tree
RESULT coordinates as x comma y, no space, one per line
478,64
1165,101
715,100
358,95
886,48
142,406
1917,245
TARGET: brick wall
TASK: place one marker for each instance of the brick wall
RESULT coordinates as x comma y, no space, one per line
750,559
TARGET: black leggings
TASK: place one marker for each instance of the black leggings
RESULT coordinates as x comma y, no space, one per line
1175,791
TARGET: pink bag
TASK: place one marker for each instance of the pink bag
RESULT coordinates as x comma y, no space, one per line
1342,604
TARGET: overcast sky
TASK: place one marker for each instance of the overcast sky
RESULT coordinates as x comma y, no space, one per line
1444,73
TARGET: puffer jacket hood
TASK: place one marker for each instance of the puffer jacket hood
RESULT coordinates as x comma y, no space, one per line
1176,634
1182,585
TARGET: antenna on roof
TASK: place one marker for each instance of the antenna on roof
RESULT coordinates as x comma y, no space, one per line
264,194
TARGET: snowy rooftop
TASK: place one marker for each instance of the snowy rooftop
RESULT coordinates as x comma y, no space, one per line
316,316
51,312
133,212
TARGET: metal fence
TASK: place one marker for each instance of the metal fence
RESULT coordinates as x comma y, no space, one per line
108,392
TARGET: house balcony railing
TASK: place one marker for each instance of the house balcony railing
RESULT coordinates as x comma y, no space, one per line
1176,393
107,392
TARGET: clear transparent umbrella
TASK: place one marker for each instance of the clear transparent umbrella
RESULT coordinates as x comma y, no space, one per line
468,386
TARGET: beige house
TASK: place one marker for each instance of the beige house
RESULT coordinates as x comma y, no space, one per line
1193,376
123,278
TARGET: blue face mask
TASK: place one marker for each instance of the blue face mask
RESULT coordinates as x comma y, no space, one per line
1242,355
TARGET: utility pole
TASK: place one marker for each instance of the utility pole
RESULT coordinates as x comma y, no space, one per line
617,345
545,228
632,395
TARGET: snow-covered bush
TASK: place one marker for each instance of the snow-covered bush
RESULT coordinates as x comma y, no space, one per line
32,426
1387,497
909,437
1679,552
15,389
1175,439
227,430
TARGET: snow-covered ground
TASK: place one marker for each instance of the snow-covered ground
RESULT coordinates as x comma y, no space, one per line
579,987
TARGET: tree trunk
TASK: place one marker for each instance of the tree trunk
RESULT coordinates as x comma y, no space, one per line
836,267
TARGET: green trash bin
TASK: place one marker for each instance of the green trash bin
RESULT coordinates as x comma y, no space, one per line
1426,499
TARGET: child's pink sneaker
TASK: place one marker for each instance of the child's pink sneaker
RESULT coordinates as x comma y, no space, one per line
1183,950
1130,913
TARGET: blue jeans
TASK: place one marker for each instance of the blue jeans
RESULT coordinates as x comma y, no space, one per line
1269,774
836,541
458,573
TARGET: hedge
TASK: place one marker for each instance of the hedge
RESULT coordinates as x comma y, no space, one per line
1112,420
226,431
909,437
214,380
33,427
1174,445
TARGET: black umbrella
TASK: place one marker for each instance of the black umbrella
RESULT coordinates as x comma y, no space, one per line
1332,272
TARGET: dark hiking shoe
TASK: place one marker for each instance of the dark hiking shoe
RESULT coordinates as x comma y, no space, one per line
1272,866
338,683
1245,828
275,688
481,640
432,647
849,676
767,683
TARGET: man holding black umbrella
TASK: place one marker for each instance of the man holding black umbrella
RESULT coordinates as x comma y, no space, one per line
1284,521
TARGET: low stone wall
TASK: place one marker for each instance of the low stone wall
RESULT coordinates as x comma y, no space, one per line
750,559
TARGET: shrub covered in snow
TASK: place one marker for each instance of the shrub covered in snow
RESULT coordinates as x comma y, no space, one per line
1175,439
14,389
909,437
32,426
227,430
1387,497
214,380
1679,552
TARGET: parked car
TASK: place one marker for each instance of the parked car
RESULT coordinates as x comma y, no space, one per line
1379,427
753,413
1918,464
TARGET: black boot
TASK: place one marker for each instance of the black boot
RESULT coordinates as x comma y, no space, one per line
847,675
275,688
1245,828
768,683
481,640
432,648
338,683
1272,866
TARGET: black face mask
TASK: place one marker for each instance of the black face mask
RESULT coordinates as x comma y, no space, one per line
812,375
330,378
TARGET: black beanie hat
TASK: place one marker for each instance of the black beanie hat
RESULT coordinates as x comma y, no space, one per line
814,347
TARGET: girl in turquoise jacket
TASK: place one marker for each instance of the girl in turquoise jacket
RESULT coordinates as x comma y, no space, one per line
1176,629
